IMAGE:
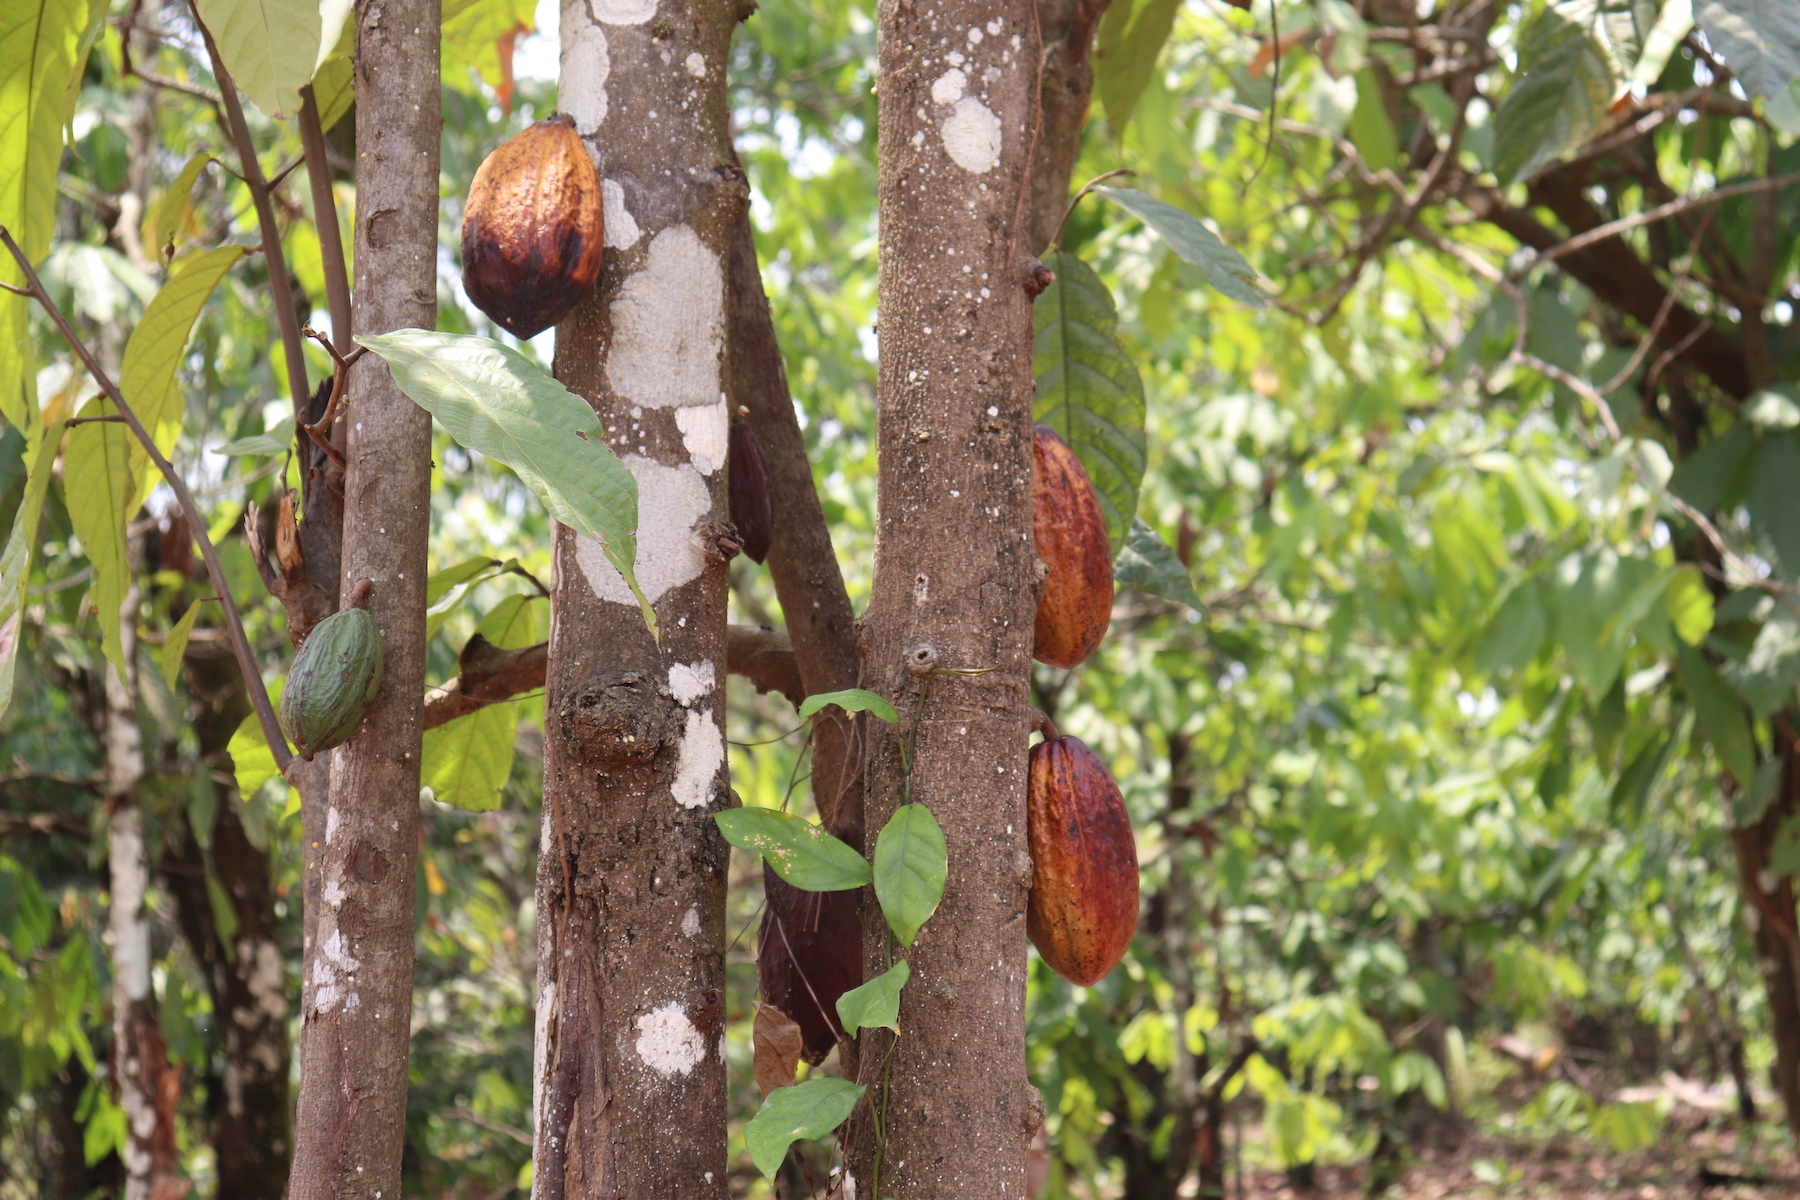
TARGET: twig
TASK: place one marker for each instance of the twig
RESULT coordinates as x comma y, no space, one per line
240,641
331,242
1656,326
1600,233
280,288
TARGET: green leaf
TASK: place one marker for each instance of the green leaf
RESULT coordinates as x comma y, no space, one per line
166,217
911,865
174,647
1371,129
269,46
39,44
805,1111
876,1004
260,443
1748,807
1350,45
1088,388
1516,633
472,33
1633,787
98,487
1784,852
466,762
252,762
1672,25
1147,564
1721,714
1774,513
334,90
1689,604
1716,476
440,582
801,853
851,700
147,375
1558,100
497,402
1131,38
1758,39
15,561
1767,676
1192,242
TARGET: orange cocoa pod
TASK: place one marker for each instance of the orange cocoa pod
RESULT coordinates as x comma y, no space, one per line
1071,539
1084,888
533,231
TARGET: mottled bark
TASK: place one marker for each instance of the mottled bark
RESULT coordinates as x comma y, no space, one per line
145,1085
630,1075
360,871
953,589
1067,86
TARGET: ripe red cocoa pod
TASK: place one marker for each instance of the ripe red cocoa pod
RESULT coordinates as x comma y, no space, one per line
1084,888
1076,606
533,231
822,947
752,508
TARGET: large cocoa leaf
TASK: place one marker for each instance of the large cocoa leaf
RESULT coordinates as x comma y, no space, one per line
1088,389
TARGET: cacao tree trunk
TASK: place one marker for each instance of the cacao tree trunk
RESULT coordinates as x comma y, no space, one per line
949,1112
147,1087
630,1075
357,994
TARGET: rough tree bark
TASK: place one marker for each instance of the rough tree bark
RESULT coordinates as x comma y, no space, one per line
1067,86
958,114
148,1087
357,993
630,1078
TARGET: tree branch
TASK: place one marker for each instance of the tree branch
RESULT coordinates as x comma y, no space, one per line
240,641
490,675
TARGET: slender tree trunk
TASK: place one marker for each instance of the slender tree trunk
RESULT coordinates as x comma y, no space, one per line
357,993
1770,911
147,1085
1067,87
630,1078
245,975
954,589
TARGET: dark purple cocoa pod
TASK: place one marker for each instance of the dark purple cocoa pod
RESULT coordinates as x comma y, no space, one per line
823,947
752,508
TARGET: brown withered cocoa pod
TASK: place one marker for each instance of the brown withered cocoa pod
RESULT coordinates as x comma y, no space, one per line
1071,539
1084,888
822,947
752,508
533,233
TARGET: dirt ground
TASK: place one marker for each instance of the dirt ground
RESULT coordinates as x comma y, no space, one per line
1694,1160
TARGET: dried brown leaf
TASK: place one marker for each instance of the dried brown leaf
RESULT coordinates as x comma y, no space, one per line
778,1042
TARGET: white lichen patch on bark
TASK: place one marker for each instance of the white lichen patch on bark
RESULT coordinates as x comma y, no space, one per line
668,1042
671,501
581,91
130,879
621,227
972,136
623,12
669,325
948,88
331,824
696,65
690,681
706,432
690,921
540,1054
702,754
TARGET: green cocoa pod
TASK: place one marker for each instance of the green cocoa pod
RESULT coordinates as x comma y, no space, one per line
333,682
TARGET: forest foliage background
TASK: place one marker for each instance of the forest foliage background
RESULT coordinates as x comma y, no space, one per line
1445,782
